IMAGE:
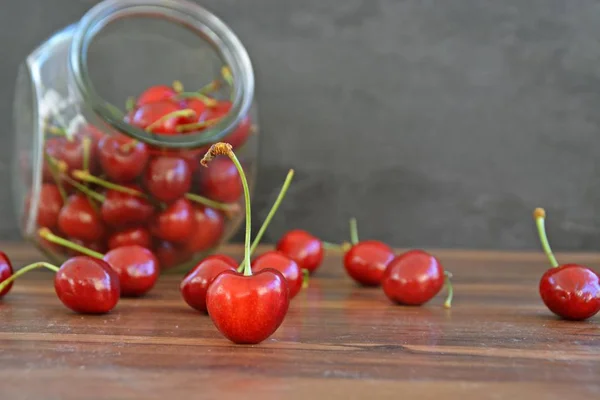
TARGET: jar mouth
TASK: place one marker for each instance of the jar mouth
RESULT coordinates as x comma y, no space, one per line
191,16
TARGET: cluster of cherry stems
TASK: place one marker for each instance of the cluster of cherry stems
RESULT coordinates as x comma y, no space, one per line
247,301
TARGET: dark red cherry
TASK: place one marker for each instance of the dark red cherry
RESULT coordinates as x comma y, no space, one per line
229,260
240,134
122,159
209,226
6,271
169,255
282,263
366,261
196,282
155,94
121,209
413,278
130,236
50,203
571,291
176,223
137,268
167,178
150,113
72,153
221,181
87,285
78,219
303,248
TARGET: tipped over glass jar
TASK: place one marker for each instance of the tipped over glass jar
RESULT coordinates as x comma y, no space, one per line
111,118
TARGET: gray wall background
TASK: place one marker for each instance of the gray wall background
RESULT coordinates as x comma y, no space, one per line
436,123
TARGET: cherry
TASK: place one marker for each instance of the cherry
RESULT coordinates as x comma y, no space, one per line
571,291
199,108
167,178
282,263
6,271
98,246
137,268
131,236
121,209
414,278
162,117
73,153
52,153
156,94
221,181
176,223
79,219
169,255
229,260
366,261
246,308
50,202
83,284
122,159
196,282
241,132
303,248
208,229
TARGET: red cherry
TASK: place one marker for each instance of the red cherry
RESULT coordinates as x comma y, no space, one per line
122,159
176,223
92,132
137,268
241,132
303,248
121,209
282,263
155,94
53,148
220,181
6,271
78,219
169,255
131,236
571,291
248,309
196,282
167,178
209,225
72,153
199,108
413,278
49,204
229,260
366,261
87,285
150,113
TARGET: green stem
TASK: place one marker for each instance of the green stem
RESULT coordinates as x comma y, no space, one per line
85,190
197,126
540,215
87,144
353,231
210,87
175,114
58,131
227,77
448,302
130,104
52,166
209,102
228,208
177,86
51,237
26,269
305,278
87,177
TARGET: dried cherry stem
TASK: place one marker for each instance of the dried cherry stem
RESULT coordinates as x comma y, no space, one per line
187,112
539,214
353,231
51,237
26,269
85,190
450,288
305,278
197,126
130,104
229,209
208,101
87,177
270,215
56,167
227,150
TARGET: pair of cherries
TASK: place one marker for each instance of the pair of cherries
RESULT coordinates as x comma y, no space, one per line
571,291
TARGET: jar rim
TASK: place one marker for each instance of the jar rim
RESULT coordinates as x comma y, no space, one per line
190,15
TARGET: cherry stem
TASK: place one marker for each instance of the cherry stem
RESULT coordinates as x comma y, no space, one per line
226,73
334,246
51,237
448,302
226,149
130,104
353,231
26,269
229,209
539,214
87,144
197,126
175,114
270,215
58,131
209,102
127,147
53,166
87,177
85,190
305,278
177,86
210,87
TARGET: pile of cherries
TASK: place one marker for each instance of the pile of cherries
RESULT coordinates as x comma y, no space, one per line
104,191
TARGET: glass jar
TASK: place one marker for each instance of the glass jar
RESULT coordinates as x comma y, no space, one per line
101,168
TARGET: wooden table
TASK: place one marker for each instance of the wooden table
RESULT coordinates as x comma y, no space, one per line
338,341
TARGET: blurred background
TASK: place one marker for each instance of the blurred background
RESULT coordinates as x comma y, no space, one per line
435,123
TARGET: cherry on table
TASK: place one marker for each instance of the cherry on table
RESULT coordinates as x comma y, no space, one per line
167,178
571,291
169,254
121,209
195,284
79,219
122,159
130,236
285,265
302,247
176,223
137,268
209,226
221,181
6,271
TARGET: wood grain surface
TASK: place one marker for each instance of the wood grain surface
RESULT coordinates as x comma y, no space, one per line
339,341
